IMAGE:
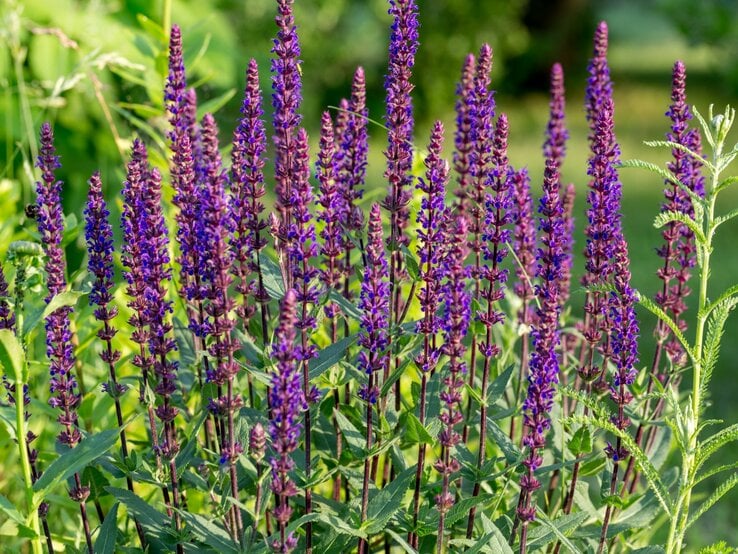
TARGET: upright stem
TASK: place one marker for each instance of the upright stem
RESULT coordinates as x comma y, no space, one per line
20,430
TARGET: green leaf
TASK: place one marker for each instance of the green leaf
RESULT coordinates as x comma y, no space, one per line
347,307
666,174
72,461
154,522
210,533
580,442
724,218
387,502
105,543
711,349
641,460
330,356
671,216
713,443
721,490
677,146
96,480
152,28
725,183
272,274
355,440
411,263
509,449
12,356
415,432
214,104
558,529
498,386
401,541
8,508
661,314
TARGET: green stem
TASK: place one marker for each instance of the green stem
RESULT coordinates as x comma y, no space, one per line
20,430
166,18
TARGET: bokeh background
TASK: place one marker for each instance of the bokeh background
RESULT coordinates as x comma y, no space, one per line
95,69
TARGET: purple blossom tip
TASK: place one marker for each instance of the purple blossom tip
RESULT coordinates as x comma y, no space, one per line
554,146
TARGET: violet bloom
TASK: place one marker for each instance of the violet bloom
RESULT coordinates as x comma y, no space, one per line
286,100
554,147
543,366
678,250
99,238
59,347
174,90
599,85
7,317
464,133
568,204
430,239
331,213
374,302
457,314
247,190
524,240
399,117
482,113
287,401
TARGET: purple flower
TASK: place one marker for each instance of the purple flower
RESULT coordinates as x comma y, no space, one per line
554,147
399,116
482,112
286,99
374,303
7,317
174,90
568,204
599,85
524,235
287,401
678,250
247,190
430,239
463,139
543,367
352,149
59,348
331,212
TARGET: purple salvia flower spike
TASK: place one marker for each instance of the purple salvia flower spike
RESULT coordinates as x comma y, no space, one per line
354,147
180,117
331,213
399,116
524,241
543,365
463,138
599,85
59,348
287,401
246,205
568,205
286,100
7,317
554,147
457,315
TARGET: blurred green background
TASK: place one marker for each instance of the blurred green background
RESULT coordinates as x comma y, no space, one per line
95,69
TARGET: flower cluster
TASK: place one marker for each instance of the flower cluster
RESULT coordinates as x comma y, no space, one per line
463,136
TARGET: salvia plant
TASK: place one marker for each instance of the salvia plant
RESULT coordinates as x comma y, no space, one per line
289,367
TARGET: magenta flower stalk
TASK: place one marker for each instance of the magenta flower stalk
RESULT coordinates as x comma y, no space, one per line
287,400
136,260
678,250
524,246
59,348
352,149
543,367
621,308
331,211
246,205
373,359
219,307
302,247
430,239
457,315
498,217
482,112
399,153
463,137
286,100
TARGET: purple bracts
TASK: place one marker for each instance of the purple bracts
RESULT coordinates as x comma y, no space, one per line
374,305
59,347
463,139
286,99
331,211
554,147
599,85
287,401
246,207
399,116
430,241
543,367
678,250
524,239
174,90
7,317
